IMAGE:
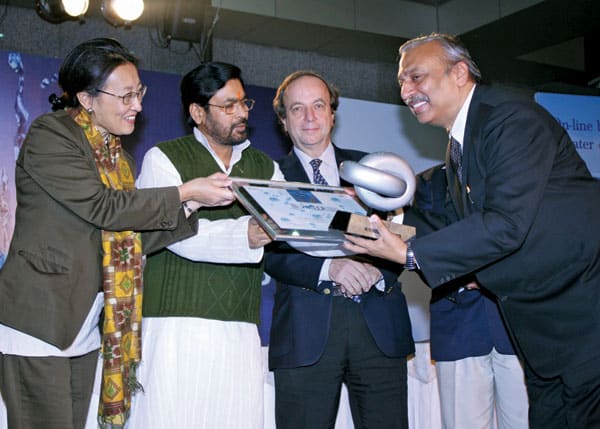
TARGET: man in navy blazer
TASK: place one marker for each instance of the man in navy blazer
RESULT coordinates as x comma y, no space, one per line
475,360
529,226
320,336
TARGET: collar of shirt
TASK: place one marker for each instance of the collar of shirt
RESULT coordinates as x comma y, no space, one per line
460,123
236,155
328,168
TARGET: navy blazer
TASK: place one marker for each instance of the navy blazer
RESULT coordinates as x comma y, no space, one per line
529,230
464,322
301,311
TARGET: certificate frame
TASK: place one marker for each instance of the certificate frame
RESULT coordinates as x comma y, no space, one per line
296,211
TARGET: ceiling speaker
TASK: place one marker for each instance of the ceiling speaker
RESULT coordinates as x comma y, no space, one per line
184,19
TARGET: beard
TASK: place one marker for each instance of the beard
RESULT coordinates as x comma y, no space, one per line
226,135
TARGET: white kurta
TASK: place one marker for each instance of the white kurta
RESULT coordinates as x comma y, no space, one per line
200,373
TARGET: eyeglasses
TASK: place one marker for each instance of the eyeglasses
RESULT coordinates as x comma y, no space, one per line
229,108
127,99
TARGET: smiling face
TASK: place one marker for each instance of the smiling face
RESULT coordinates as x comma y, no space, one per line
219,127
110,114
309,117
432,88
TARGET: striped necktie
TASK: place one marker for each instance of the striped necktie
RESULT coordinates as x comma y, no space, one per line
456,157
318,179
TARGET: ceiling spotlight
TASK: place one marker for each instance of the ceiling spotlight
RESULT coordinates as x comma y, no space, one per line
122,12
61,10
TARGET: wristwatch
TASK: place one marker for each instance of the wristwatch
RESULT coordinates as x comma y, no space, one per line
411,263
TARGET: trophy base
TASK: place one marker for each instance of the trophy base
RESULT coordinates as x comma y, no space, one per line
360,225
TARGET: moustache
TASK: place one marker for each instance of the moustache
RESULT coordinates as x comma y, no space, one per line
413,99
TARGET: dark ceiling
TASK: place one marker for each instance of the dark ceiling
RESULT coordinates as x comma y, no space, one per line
500,45
553,45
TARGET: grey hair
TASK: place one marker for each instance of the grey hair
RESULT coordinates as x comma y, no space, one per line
454,49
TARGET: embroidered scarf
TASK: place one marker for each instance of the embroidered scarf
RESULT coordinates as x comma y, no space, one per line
122,285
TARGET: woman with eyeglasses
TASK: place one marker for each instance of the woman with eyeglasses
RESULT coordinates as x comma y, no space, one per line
81,228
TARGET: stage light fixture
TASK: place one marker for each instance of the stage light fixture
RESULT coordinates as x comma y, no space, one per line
122,12
61,10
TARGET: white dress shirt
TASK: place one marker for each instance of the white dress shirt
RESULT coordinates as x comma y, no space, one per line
215,239
460,123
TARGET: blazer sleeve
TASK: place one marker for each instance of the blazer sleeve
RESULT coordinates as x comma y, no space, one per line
153,241
292,267
58,158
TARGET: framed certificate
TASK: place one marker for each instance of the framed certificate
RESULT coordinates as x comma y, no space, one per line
296,211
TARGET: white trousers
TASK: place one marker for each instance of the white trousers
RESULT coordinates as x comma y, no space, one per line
199,374
484,392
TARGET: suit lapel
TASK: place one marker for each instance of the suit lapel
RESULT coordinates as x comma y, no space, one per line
473,123
479,111
292,169
460,193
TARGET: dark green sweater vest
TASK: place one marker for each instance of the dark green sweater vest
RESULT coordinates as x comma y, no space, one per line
175,286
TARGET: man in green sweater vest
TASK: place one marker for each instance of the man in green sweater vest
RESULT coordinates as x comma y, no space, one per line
201,358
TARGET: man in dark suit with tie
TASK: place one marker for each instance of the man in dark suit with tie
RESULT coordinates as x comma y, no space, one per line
335,319
529,225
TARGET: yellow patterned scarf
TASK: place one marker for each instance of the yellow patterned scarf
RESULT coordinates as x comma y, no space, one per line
122,284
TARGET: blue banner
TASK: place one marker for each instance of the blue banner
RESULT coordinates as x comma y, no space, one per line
579,115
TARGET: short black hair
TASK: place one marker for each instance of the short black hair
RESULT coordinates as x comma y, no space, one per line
87,67
200,84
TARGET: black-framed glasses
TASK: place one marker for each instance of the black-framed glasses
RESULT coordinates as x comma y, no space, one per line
128,98
229,108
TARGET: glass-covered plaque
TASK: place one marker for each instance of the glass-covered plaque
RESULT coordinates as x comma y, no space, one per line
296,211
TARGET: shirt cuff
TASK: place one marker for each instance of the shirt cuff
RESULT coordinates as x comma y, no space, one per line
324,274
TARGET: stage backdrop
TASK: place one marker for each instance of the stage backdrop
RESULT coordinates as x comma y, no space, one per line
580,116
26,81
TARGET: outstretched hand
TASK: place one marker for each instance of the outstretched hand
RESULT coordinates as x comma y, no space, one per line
212,191
388,246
